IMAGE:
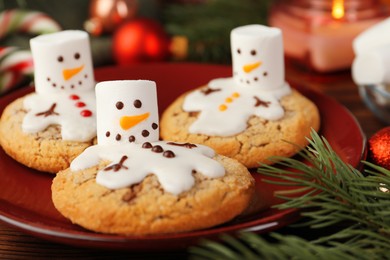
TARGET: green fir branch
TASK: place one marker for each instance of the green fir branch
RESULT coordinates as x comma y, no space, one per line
207,25
328,192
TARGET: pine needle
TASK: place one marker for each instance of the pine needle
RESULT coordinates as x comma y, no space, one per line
328,192
207,25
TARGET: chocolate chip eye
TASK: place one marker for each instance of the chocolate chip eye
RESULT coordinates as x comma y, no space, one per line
77,55
137,103
60,59
253,52
119,105
265,74
239,51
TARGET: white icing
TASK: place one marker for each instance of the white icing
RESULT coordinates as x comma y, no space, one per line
74,126
64,83
174,174
233,120
131,162
258,84
109,93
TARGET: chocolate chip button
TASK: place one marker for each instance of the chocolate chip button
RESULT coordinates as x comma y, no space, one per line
169,154
147,145
157,149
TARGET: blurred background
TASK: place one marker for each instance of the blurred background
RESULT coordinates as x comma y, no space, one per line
196,30
318,34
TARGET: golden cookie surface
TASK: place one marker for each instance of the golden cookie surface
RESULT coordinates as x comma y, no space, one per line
44,151
145,208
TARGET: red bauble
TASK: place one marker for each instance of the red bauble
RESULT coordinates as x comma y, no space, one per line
140,40
379,148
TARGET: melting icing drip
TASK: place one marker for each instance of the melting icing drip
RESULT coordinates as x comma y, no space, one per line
48,112
225,113
173,165
116,167
260,102
74,113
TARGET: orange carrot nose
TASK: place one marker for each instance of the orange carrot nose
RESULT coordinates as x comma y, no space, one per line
249,67
126,122
69,73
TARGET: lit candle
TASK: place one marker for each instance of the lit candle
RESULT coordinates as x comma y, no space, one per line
319,34
338,9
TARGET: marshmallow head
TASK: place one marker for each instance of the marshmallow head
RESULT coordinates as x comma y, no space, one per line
62,62
127,112
257,56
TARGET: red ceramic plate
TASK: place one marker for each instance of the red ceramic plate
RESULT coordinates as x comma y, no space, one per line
25,196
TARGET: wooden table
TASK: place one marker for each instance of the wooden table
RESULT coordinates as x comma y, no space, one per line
17,245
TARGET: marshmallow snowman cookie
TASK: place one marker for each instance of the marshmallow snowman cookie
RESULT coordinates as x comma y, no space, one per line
132,183
47,129
251,115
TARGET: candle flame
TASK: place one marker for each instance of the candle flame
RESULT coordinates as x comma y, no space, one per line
338,9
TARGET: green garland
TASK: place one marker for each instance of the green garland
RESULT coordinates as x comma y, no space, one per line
335,193
207,25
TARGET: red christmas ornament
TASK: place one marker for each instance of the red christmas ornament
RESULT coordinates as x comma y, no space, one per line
140,40
379,148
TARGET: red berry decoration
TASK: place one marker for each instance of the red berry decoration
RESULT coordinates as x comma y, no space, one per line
86,113
379,148
74,97
80,104
140,40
